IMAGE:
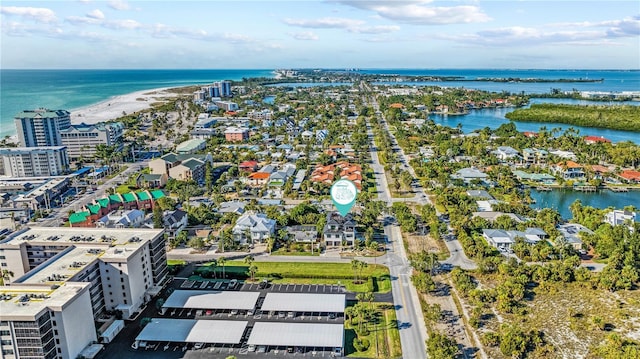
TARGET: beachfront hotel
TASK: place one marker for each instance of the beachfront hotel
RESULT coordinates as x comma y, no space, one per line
41,127
82,139
33,161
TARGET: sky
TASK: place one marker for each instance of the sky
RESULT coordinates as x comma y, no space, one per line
85,34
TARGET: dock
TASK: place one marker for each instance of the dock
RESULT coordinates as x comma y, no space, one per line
543,189
585,188
618,189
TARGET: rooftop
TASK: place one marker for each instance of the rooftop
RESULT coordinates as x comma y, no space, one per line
305,302
297,334
211,300
193,331
25,302
103,237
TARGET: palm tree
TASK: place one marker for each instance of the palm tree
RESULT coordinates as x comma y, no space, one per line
6,275
221,262
252,268
349,312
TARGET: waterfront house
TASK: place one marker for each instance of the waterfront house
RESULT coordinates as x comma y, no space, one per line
630,176
568,169
533,177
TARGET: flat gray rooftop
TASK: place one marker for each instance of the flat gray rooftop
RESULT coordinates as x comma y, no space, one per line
193,331
297,334
198,299
305,302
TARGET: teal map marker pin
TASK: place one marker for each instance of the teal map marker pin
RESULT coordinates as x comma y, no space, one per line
343,194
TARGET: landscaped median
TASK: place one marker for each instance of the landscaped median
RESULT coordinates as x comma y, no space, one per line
371,331
373,277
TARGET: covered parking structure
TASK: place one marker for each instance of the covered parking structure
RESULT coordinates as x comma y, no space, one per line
304,302
193,331
217,300
301,335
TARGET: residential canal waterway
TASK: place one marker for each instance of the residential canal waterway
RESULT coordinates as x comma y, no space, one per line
561,199
494,117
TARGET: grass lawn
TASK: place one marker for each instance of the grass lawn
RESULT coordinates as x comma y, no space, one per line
284,252
384,337
176,262
309,273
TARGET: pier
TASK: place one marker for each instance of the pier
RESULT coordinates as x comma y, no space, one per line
618,189
543,188
585,188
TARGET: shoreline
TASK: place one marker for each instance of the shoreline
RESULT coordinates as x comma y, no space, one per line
113,107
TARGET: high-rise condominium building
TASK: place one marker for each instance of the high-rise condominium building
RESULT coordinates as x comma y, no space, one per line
33,161
41,127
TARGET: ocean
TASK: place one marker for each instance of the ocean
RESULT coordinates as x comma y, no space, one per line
71,89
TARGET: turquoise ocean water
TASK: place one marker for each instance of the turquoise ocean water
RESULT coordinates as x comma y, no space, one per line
71,89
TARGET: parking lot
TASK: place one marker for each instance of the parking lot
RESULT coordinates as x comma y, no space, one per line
201,350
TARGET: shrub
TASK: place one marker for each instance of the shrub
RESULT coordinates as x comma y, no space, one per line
361,345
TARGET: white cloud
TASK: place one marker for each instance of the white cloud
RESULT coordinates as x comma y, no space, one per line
82,20
380,29
524,36
38,14
324,23
122,24
163,31
96,14
119,5
304,35
421,12
351,25
580,33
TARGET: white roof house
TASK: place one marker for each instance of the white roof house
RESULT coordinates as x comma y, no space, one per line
132,218
618,217
506,152
257,225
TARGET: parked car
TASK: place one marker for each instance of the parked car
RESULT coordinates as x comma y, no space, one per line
233,283
262,349
251,348
198,346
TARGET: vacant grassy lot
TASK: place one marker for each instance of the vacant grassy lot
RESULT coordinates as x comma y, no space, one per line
307,273
383,337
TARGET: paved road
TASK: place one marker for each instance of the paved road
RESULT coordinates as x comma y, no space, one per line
55,218
413,331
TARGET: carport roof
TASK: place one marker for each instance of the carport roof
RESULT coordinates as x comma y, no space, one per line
211,299
297,334
305,302
193,331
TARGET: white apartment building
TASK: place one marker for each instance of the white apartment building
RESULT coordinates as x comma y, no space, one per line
34,161
82,139
40,128
123,266
43,321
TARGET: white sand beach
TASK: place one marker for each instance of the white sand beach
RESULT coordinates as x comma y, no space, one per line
114,107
